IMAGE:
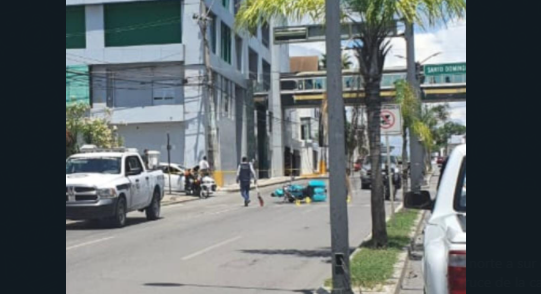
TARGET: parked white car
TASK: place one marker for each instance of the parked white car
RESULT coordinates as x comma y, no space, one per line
176,173
444,263
107,184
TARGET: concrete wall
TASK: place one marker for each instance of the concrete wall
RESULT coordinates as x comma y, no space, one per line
154,137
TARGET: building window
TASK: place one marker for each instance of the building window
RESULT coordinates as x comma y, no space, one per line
265,34
164,92
225,4
238,48
237,4
226,96
253,64
266,76
212,33
271,119
306,128
75,27
226,43
142,23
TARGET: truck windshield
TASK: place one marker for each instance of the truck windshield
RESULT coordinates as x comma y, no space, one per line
93,165
460,194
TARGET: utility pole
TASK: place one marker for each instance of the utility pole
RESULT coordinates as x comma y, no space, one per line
416,149
337,154
213,148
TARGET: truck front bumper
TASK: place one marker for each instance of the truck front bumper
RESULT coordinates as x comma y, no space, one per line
84,211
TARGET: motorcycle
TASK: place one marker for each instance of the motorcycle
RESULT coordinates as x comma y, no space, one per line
315,190
397,183
203,187
207,186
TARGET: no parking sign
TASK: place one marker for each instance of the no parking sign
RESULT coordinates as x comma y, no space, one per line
391,120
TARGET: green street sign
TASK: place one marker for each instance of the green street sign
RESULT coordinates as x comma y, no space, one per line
442,69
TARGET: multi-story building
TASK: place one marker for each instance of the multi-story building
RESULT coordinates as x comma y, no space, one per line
144,61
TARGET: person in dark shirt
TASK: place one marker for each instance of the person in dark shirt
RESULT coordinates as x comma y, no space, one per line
245,174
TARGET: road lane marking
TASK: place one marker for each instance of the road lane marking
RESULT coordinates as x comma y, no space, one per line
196,254
88,243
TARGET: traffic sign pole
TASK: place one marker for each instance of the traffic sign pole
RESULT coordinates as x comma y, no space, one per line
389,173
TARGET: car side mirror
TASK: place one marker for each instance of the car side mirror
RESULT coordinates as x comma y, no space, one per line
421,201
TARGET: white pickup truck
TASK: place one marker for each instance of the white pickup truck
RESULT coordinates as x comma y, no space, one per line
444,262
107,184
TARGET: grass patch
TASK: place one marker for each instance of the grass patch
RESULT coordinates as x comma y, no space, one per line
372,266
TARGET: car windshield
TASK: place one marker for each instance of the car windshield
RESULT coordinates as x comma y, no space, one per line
460,201
383,160
93,165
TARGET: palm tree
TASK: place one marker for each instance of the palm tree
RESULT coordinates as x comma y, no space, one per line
378,19
423,121
409,105
432,117
346,61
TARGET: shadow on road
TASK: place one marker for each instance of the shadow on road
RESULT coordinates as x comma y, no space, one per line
176,285
102,225
324,253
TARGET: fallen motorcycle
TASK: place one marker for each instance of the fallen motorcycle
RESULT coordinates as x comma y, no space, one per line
316,191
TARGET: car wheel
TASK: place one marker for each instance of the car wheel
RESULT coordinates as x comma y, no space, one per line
119,220
365,186
154,209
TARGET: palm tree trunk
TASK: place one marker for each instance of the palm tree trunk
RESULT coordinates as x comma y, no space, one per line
379,226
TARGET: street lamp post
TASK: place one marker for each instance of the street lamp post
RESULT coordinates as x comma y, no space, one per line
337,156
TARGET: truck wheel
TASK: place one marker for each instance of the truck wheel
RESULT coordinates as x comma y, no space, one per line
119,220
153,210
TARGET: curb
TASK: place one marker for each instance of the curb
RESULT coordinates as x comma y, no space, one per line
169,203
325,290
409,249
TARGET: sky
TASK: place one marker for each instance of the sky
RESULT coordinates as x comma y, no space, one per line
450,40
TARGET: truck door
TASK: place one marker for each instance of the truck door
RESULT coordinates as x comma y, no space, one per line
139,185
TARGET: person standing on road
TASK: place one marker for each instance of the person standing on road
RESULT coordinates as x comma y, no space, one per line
204,167
245,174
145,158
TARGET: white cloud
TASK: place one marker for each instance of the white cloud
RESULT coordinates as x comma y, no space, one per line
450,41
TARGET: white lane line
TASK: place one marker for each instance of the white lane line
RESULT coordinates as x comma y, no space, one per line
210,248
88,243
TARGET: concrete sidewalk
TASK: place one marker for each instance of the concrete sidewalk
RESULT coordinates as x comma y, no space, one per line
176,198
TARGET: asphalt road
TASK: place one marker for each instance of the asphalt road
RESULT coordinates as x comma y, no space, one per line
211,246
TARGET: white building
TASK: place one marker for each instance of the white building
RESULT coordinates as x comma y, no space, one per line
144,60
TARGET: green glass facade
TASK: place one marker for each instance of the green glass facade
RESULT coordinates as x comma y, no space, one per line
143,23
77,84
75,27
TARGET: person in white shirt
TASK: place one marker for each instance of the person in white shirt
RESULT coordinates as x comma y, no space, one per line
204,166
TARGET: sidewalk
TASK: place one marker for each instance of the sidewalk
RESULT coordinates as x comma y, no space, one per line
269,182
176,198
413,280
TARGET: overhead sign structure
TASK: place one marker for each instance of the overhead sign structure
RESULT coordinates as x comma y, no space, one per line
391,120
316,33
442,69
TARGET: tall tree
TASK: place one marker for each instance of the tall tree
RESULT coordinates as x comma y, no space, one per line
378,19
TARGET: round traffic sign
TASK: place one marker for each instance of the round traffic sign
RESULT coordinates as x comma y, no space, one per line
388,119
